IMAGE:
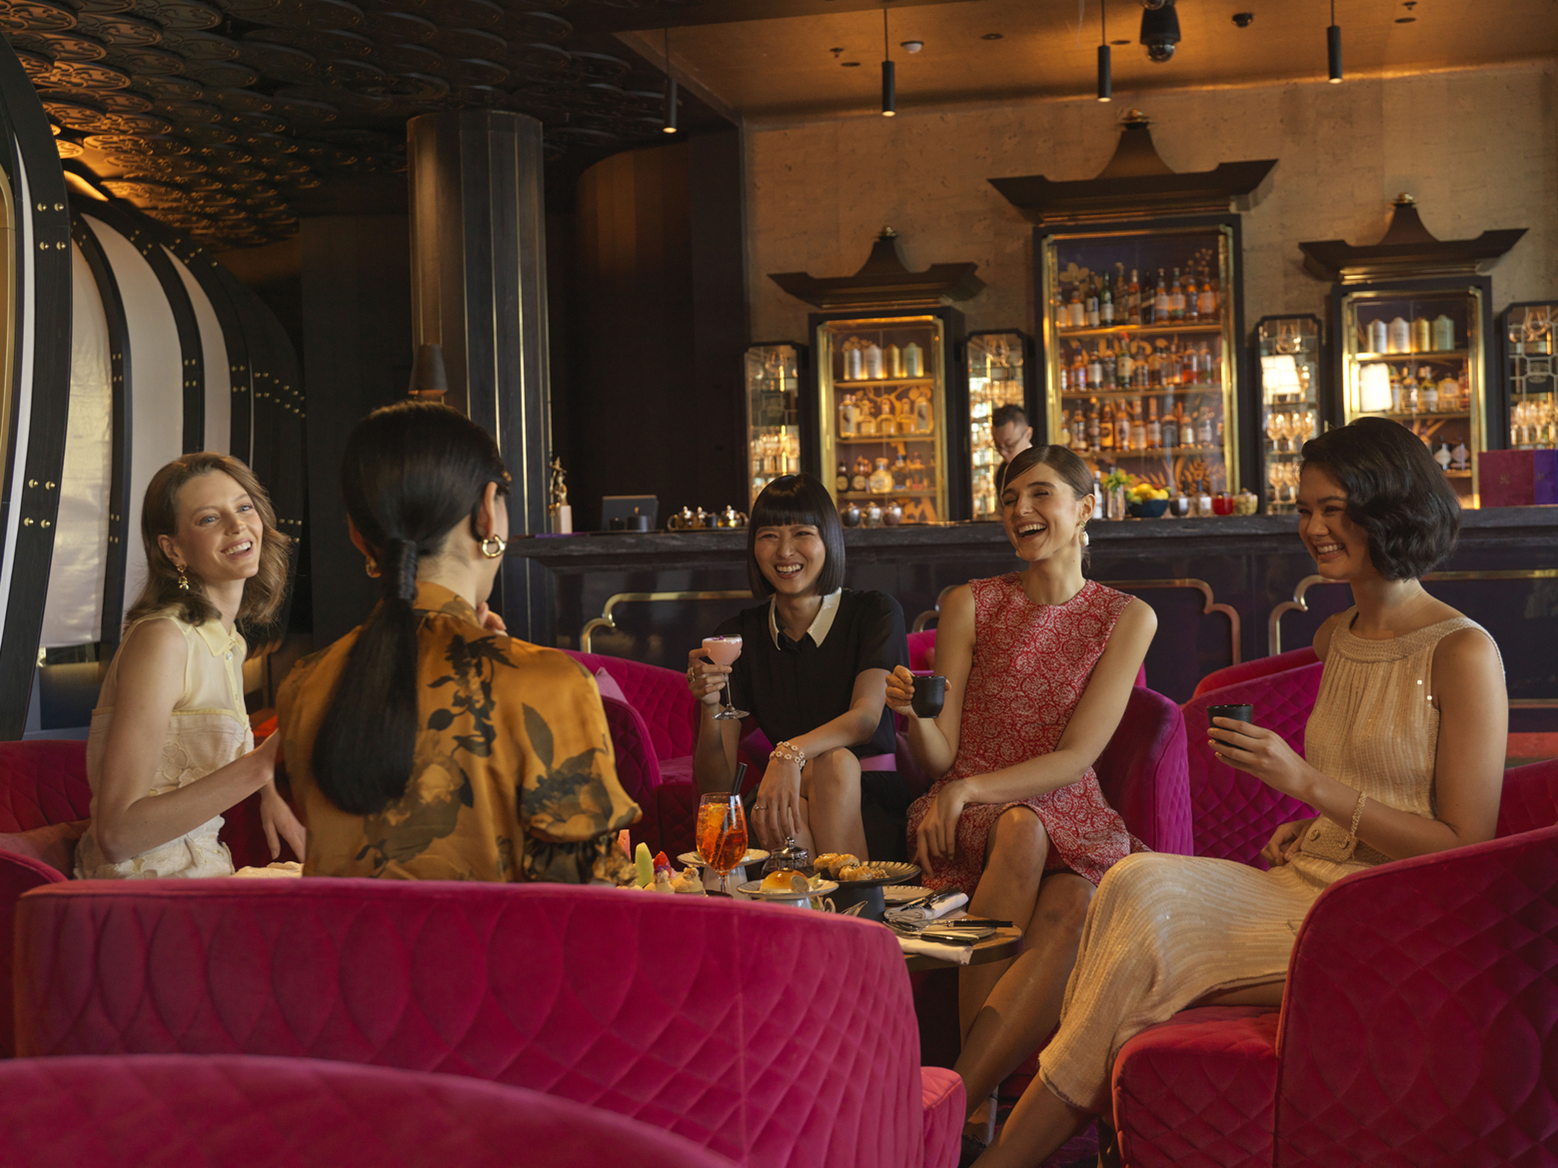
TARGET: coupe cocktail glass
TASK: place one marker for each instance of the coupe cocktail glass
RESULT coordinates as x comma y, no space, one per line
724,651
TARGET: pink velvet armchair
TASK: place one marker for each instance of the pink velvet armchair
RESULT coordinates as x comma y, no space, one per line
769,1035
1416,1029
172,1111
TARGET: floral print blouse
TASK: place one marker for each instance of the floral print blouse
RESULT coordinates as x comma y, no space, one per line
513,775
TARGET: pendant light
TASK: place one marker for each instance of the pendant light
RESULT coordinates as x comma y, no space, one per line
669,126
889,86
1105,75
1333,44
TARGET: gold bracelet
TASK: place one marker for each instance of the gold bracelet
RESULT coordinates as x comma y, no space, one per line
790,752
1357,814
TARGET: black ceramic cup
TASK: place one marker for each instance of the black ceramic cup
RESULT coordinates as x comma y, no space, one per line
1243,713
930,694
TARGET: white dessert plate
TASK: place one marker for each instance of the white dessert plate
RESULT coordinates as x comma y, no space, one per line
754,889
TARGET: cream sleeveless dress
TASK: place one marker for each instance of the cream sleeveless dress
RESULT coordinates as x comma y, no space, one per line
1165,930
207,730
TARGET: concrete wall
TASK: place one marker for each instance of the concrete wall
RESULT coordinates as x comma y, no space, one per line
1478,148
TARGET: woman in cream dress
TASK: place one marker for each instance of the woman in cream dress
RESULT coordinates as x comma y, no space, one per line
1405,756
170,747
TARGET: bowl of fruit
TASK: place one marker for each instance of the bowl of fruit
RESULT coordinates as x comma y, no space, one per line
1145,501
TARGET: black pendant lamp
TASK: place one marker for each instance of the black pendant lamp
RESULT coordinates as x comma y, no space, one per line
1333,44
889,85
669,126
1105,73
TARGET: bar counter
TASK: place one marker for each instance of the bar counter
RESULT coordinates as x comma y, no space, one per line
1225,589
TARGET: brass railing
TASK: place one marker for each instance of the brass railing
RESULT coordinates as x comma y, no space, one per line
606,621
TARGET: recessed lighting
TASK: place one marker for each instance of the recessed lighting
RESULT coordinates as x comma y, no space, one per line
1119,42
991,36
850,64
1406,20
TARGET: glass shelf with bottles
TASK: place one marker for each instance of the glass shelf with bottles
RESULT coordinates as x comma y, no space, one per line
1138,340
998,371
1288,348
883,412
1532,333
773,402
1415,359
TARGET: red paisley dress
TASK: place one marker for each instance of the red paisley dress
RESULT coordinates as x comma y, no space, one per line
1031,665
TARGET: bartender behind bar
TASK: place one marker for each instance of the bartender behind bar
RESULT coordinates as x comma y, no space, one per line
1010,434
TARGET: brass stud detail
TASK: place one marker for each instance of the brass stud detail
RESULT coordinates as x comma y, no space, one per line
27,522
48,486
32,482
44,523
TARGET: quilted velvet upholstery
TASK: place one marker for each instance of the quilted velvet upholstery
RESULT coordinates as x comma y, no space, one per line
1422,1005
1530,799
178,1111
43,781
1198,1091
1233,813
659,695
1143,774
1250,670
770,1035
18,874
941,1095
638,769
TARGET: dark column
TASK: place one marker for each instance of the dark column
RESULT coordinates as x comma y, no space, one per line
478,288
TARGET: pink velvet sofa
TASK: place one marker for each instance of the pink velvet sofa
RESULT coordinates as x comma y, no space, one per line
174,1111
1416,1029
769,1035
1258,667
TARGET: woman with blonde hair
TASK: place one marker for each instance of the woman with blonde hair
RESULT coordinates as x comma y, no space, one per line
170,747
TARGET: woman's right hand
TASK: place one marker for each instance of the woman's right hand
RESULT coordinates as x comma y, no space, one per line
704,678
1284,842
900,691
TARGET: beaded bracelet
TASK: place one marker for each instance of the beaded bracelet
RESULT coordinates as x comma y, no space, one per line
789,752
1357,814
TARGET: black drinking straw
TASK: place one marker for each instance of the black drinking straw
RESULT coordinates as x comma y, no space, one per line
741,771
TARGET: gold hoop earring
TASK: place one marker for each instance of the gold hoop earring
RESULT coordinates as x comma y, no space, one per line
371,566
495,550
183,579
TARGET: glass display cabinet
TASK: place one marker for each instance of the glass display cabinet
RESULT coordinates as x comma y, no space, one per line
1530,332
1416,356
999,372
1140,339
1288,369
773,411
882,414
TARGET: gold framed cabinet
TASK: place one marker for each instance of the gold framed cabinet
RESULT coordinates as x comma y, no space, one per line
999,369
1140,342
1416,353
1530,338
885,425
773,381
1288,364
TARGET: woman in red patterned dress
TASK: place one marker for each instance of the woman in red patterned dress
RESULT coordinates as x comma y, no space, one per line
1039,665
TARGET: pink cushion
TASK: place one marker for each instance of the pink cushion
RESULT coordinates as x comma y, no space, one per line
171,1111
608,685
638,770
922,649
1198,1091
1235,813
942,1097
773,1036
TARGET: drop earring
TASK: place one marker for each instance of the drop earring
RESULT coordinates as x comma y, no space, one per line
183,579
371,566
1085,539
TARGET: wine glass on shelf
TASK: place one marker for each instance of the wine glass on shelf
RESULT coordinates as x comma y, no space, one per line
722,835
724,651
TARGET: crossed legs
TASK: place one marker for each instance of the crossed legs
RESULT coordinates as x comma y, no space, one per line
830,805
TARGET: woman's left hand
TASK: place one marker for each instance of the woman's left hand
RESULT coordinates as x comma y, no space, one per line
776,812
277,819
937,837
1262,753
490,620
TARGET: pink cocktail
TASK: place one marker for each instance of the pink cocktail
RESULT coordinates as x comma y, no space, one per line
724,651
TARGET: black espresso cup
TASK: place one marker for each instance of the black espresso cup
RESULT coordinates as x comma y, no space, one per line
1243,713
930,694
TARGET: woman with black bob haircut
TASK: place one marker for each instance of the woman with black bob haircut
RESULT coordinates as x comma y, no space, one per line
813,672
1403,756
427,744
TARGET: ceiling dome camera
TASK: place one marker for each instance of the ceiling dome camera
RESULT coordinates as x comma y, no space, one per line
1159,29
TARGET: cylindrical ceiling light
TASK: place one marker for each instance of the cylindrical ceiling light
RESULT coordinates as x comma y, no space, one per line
1105,74
669,126
1333,44
889,84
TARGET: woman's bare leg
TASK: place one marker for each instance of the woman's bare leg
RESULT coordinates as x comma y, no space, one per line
830,786
1024,1005
1040,1123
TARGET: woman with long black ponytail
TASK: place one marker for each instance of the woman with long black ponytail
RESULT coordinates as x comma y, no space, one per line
427,744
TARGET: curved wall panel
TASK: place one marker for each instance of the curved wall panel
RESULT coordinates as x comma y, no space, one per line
217,380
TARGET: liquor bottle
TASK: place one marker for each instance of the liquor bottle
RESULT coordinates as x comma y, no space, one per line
1176,298
1065,428
848,417
841,480
1106,304
1140,369
1110,367
1172,373
1139,429
862,474
881,480
1204,431
1092,304
1408,393
1206,299
1123,427
1204,501
1125,367
1170,425
1078,371
1395,389
1093,428
1192,296
1160,301
1133,300
1211,367
1428,393
1076,313
1154,427
1095,371
1155,366
1106,427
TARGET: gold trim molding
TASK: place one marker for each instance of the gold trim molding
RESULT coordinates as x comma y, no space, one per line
606,621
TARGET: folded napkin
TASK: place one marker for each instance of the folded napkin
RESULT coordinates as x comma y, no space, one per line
936,907
956,954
